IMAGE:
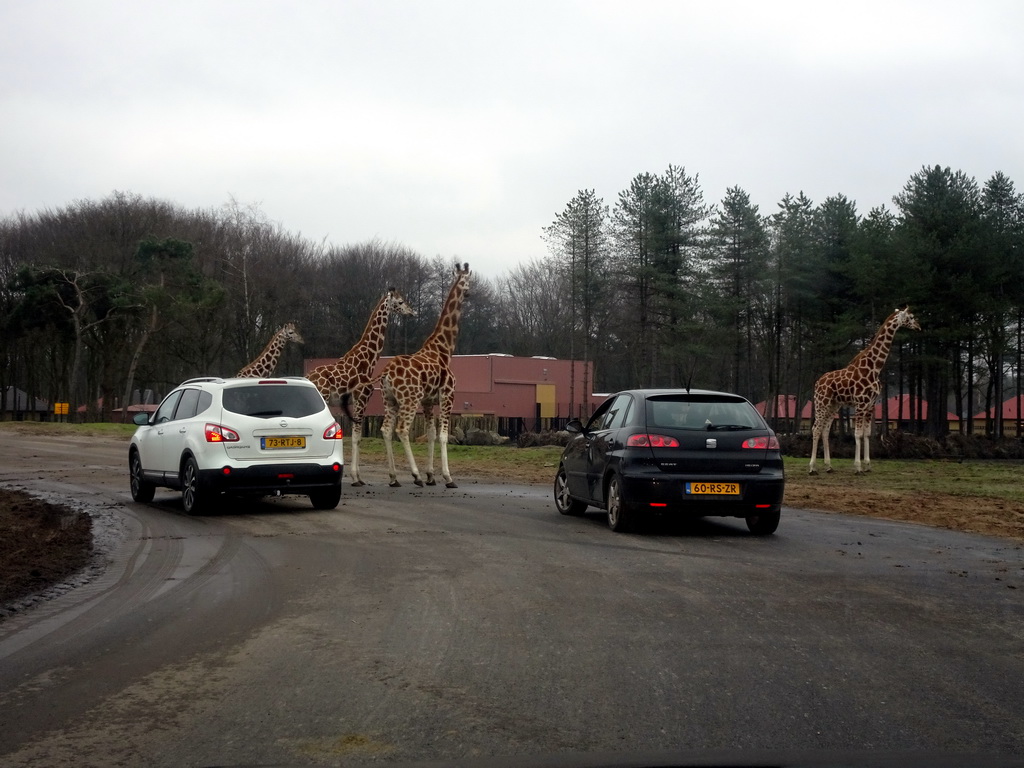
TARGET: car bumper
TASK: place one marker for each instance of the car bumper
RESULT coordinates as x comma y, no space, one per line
286,478
667,493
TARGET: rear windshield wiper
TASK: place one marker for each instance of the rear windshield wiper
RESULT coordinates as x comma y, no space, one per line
264,414
712,427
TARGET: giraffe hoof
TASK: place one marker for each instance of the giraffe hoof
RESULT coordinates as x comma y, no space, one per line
452,484
418,482
431,481
358,483
812,471
395,484
829,469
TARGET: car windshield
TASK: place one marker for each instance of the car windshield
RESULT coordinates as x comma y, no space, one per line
701,413
270,400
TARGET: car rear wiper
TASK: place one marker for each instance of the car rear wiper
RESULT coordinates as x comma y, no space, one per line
264,414
713,427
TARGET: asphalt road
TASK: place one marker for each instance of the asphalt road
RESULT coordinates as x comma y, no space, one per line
432,624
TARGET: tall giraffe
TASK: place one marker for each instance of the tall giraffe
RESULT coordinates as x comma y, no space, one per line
266,361
424,379
351,378
859,385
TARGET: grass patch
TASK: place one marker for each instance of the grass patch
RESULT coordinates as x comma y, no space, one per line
970,479
507,462
57,428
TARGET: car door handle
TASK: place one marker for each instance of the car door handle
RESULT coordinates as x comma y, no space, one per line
182,431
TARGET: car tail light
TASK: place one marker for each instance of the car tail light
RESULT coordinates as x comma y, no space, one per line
334,432
215,433
765,443
652,441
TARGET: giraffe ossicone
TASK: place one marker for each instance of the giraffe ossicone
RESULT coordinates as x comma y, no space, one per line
857,385
424,380
266,362
350,379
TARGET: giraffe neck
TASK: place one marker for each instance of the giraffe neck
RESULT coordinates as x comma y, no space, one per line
271,356
446,332
267,361
372,341
876,353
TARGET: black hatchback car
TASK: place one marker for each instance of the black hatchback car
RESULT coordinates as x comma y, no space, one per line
688,452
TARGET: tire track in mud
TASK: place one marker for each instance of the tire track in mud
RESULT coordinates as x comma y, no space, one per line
166,589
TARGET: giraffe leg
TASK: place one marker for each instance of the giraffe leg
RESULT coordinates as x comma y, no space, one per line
815,437
359,399
357,433
431,424
862,446
387,432
867,447
858,435
445,419
406,414
825,432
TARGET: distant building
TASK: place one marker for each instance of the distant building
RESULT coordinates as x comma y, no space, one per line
17,405
520,393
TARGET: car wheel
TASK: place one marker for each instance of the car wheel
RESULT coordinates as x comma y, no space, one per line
620,516
565,503
326,498
193,498
763,523
142,491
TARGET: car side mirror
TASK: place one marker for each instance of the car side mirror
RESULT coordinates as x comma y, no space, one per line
141,419
574,427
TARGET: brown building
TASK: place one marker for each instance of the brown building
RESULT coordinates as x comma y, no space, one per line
520,393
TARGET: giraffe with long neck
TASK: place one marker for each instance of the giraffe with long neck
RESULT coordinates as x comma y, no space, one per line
424,380
350,379
858,385
266,362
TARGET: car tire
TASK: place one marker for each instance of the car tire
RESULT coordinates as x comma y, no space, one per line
620,515
326,498
565,503
142,491
764,523
193,496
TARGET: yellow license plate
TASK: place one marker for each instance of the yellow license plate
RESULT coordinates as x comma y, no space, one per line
713,489
268,443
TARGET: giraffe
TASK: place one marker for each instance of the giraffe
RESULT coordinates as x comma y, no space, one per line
350,378
266,361
424,379
857,384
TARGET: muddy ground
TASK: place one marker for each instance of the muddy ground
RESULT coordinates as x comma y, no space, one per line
40,543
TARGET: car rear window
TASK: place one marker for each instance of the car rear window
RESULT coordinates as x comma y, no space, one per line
269,400
702,412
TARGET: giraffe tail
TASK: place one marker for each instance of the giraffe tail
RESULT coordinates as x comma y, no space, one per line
344,405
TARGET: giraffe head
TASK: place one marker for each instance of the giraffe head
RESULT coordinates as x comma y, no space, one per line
290,333
397,303
904,319
462,277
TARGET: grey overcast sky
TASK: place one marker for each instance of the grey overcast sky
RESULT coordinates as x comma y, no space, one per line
462,128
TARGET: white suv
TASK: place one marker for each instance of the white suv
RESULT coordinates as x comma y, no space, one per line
249,436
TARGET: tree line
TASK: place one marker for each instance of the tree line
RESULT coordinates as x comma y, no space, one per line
103,299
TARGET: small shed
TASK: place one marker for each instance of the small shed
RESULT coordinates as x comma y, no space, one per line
18,406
